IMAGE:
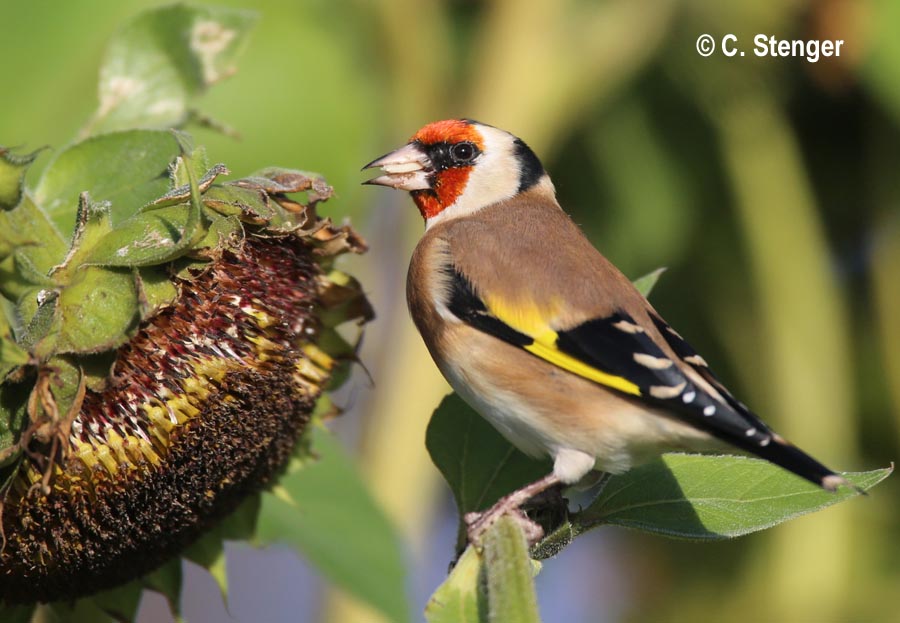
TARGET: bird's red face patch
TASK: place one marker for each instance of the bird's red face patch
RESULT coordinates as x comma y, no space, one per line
449,181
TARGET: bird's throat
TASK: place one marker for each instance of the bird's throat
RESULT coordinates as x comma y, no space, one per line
428,203
446,190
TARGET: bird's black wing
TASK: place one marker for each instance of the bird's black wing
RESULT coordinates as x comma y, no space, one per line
616,352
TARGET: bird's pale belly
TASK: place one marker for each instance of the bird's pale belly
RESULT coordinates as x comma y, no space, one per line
544,412
512,415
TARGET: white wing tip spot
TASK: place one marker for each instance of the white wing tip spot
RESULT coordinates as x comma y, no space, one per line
688,397
665,391
628,327
765,441
709,410
750,432
654,363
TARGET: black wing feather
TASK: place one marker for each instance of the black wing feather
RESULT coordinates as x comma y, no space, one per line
601,344
465,305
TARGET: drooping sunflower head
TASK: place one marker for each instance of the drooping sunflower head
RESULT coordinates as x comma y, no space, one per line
157,367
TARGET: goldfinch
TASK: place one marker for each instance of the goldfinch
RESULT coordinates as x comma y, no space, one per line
541,334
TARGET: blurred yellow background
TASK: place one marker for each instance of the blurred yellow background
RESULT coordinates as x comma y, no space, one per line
770,187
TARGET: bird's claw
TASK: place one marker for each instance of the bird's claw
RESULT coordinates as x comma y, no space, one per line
477,524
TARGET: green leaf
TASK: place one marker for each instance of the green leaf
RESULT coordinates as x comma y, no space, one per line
161,234
325,511
166,581
461,598
126,169
684,496
81,611
478,463
115,605
120,604
702,497
646,283
157,64
511,597
209,550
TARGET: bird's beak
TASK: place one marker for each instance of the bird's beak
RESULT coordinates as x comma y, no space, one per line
407,168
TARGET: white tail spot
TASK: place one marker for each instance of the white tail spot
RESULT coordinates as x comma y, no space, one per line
832,482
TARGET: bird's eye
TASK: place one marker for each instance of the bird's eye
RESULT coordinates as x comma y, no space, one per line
463,152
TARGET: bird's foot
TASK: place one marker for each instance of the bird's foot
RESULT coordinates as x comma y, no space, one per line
477,524
551,498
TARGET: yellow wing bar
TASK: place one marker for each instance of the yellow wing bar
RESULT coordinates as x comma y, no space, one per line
561,360
530,322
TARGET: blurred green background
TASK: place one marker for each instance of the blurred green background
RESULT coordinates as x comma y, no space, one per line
769,187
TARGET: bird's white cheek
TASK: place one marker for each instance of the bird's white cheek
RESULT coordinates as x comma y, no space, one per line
493,178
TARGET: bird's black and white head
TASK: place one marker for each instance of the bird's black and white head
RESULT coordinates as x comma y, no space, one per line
458,166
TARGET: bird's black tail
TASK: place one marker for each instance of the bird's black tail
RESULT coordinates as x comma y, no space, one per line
784,454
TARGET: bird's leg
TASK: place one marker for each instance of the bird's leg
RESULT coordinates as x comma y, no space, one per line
550,497
478,523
